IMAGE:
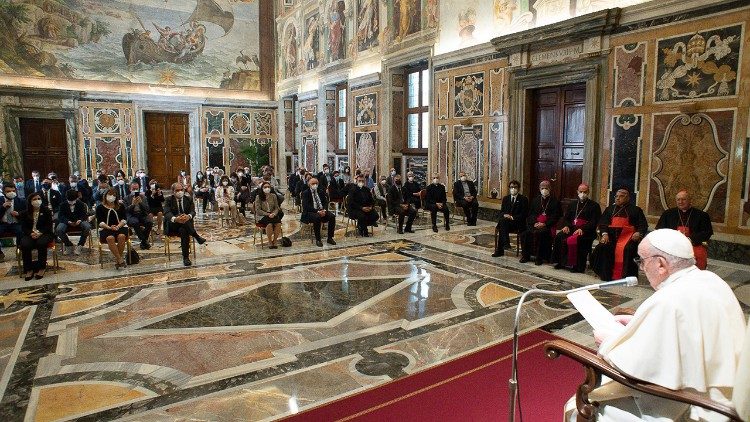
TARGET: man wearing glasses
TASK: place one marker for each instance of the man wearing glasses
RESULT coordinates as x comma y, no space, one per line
687,335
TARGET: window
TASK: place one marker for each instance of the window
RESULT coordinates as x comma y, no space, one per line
417,107
341,116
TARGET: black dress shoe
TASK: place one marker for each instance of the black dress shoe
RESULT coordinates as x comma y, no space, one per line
330,241
576,270
319,243
272,247
559,266
200,240
145,245
447,227
434,228
400,231
187,262
524,259
498,253
29,277
538,262
409,230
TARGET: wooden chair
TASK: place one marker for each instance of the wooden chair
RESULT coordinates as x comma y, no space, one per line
518,240
353,222
128,246
458,211
595,367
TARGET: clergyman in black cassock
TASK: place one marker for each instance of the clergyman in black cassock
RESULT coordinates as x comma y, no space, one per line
573,241
540,224
692,222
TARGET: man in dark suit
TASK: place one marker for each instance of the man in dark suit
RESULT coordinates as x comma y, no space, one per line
399,205
336,187
50,198
121,185
540,224
179,212
11,209
324,178
34,184
139,214
465,196
315,211
73,213
513,213
436,200
362,207
412,189
142,179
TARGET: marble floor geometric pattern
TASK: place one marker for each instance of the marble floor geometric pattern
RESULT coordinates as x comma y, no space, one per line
256,334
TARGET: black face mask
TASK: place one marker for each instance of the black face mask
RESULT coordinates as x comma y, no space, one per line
398,182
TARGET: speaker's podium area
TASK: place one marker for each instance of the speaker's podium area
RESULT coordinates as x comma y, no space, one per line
225,210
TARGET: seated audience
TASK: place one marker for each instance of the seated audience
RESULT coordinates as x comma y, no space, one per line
10,213
202,190
36,225
268,208
573,242
138,214
112,219
179,211
315,211
20,189
155,200
362,207
436,201
412,188
225,200
400,205
513,213
687,335
184,180
381,197
692,222
34,184
74,214
536,239
51,199
622,226
465,196
143,180
336,187
121,185
391,177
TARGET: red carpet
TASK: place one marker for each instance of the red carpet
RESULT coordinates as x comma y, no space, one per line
471,388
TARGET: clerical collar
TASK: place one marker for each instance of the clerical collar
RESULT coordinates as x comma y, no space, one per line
676,275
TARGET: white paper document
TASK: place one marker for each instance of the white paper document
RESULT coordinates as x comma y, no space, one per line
595,314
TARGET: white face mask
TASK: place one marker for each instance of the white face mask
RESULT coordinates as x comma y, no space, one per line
36,178
120,182
513,191
411,178
325,171
582,195
72,203
153,187
10,195
200,176
393,173
545,192
240,174
382,182
225,183
267,190
179,194
313,187
36,203
111,198
463,178
435,181
360,184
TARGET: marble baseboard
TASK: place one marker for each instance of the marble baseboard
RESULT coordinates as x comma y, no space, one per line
728,251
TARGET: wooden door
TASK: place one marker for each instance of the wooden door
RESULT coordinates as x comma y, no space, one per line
167,146
560,120
45,147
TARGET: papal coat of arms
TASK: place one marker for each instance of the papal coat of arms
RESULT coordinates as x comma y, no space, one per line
468,95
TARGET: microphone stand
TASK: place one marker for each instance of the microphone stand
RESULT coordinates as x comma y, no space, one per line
513,381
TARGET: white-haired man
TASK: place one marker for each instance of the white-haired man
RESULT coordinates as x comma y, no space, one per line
687,335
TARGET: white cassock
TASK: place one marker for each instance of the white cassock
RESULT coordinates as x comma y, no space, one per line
687,335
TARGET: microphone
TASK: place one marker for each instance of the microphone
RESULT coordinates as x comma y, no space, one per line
513,381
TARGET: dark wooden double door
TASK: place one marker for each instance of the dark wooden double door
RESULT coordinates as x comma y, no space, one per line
45,147
559,139
167,146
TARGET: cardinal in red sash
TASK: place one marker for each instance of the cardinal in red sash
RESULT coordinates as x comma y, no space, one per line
573,241
622,226
692,222
540,226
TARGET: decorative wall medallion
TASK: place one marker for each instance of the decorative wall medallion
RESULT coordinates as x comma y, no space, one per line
698,65
239,123
263,122
106,120
366,157
469,95
366,108
629,70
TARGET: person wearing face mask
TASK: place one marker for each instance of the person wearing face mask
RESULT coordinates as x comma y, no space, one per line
465,196
381,197
202,191
347,176
112,219
123,189
540,225
324,178
74,216
179,212
34,184
400,205
10,211
139,214
184,179
622,226
436,201
362,207
36,225
513,212
268,208
692,222
391,177
155,200
336,187
226,202
302,185
20,188
412,189
315,211
50,198
143,180
57,184
573,241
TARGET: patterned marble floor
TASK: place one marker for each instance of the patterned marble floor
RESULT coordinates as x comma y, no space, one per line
256,334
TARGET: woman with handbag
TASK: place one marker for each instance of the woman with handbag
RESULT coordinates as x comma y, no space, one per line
36,224
267,206
113,230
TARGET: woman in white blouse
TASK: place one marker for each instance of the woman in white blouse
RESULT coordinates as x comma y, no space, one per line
225,199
